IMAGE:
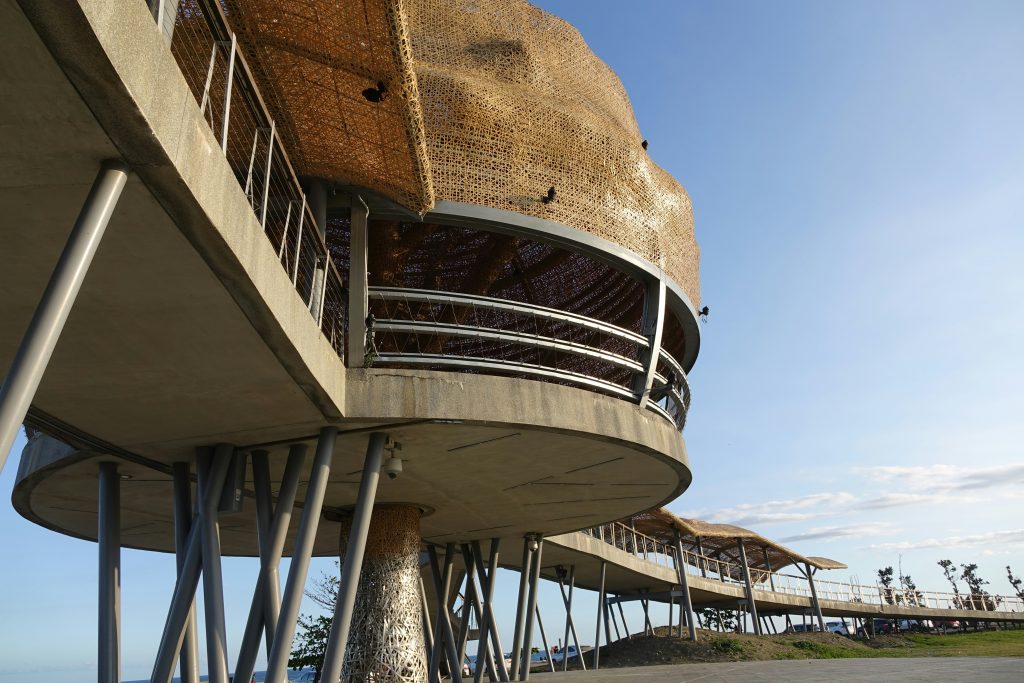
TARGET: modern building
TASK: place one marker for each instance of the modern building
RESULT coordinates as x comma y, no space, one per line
416,237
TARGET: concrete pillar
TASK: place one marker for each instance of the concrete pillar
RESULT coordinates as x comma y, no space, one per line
33,355
386,640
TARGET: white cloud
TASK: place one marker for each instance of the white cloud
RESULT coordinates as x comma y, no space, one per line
999,539
935,479
847,531
813,506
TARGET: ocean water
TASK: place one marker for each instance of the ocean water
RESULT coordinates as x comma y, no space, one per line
260,677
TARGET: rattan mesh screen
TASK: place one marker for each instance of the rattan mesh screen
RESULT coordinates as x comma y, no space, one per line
514,102
492,102
312,60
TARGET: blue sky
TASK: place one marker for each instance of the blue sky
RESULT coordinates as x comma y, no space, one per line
857,173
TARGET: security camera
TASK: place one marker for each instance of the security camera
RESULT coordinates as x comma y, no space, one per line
393,467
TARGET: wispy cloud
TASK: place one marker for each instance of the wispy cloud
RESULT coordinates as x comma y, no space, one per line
925,485
847,531
1000,539
949,478
801,509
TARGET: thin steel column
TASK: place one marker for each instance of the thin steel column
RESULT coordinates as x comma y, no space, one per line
569,623
487,583
517,634
622,615
213,583
600,610
544,640
334,658
277,665
814,598
189,660
610,616
531,608
428,630
684,581
266,599
108,536
768,564
358,294
703,562
751,606
37,344
648,626
442,586
474,598
671,605
188,579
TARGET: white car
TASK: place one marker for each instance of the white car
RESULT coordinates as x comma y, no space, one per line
838,627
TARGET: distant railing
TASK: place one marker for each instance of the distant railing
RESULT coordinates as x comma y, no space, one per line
625,538
221,81
446,329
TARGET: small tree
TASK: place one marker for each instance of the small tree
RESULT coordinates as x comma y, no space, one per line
719,619
979,597
1015,582
949,569
910,589
310,643
885,578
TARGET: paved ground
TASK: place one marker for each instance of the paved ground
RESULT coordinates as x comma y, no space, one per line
909,670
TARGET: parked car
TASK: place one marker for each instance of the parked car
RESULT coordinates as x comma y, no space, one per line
883,627
469,665
569,651
915,626
805,628
838,627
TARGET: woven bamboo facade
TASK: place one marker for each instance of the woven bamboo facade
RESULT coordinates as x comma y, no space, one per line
488,103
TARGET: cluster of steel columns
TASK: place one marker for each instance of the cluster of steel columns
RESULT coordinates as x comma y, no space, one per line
272,616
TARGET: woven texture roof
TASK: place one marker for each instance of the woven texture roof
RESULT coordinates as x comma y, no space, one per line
489,102
720,541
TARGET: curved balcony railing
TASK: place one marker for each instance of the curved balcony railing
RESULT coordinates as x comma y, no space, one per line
645,547
419,327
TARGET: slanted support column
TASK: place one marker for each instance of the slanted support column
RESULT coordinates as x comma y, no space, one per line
600,612
358,294
570,625
183,597
213,583
751,605
351,567
109,547
189,660
517,634
312,506
444,636
385,638
272,528
33,354
488,630
531,609
684,582
814,597
653,325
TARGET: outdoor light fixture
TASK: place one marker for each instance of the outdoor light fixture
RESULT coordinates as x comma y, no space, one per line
393,468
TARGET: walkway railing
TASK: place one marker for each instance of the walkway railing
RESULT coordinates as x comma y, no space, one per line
444,329
221,81
631,541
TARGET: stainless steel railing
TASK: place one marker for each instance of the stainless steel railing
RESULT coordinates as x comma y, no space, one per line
222,83
447,330
625,538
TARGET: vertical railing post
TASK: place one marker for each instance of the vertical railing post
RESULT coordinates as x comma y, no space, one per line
227,95
358,303
653,326
37,344
267,174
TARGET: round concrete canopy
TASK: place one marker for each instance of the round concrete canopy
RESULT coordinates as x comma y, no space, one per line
473,479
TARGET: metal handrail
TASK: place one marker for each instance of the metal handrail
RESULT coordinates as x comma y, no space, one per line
636,543
321,286
436,296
